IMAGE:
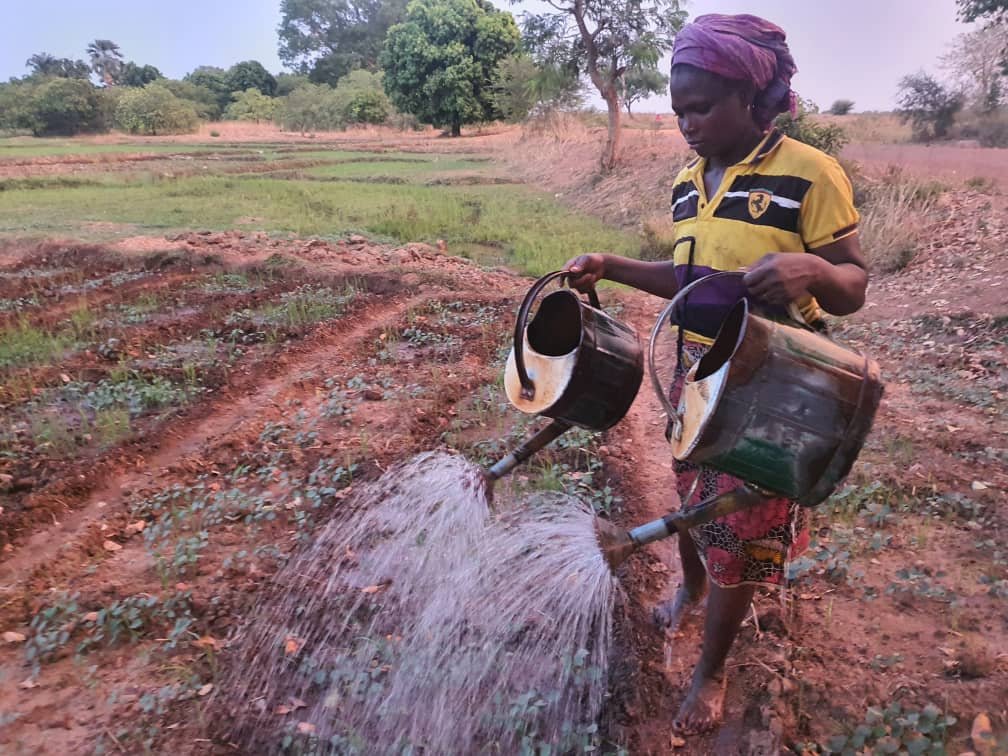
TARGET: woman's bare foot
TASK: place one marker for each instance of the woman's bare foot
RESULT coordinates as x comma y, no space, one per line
688,598
704,705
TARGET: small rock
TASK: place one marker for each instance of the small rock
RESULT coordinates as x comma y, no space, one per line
205,689
11,637
676,742
110,349
111,546
135,527
356,239
373,395
28,684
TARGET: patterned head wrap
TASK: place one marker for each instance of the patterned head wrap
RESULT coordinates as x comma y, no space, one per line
744,48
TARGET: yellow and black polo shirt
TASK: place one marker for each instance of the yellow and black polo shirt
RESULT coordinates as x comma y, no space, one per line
784,197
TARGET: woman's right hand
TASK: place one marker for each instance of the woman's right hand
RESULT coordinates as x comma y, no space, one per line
585,271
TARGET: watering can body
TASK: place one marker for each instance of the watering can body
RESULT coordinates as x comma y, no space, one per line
783,408
573,362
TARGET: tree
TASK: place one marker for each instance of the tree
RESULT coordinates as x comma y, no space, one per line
441,61
106,60
329,38
983,10
250,74
638,83
287,83
312,107
362,97
134,75
203,100
61,106
154,110
927,105
44,64
524,88
252,105
605,40
214,80
975,60
841,107
829,138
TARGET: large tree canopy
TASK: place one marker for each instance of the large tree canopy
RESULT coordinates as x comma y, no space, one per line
44,64
441,62
604,39
250,74
106,60
329,38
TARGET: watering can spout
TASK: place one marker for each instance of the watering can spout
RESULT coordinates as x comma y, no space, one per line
525,450
617,545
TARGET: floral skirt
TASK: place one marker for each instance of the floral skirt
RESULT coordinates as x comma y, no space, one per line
748,547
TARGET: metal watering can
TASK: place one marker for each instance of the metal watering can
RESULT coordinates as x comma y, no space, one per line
781,407
572,363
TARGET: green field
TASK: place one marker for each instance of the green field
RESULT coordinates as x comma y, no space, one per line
469,202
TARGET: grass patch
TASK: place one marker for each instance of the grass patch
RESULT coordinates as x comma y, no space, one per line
408,169
24,344
530,229
895,219
30,147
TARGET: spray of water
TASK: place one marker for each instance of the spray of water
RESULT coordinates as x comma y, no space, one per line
422,622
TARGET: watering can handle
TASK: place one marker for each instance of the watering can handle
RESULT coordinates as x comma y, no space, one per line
673,412
528,387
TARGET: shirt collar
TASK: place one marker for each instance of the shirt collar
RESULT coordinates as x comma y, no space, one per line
767,144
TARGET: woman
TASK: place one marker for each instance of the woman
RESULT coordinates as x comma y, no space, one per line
783,211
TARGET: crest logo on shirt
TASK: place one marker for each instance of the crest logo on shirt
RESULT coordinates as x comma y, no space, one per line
759,203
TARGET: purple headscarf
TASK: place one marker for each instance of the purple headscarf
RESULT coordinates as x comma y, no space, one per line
744,48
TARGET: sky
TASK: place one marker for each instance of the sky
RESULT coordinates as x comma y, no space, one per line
850,49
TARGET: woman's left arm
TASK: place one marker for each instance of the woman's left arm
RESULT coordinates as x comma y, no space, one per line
835,274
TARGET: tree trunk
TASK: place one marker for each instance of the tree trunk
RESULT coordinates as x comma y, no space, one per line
456,128
611,151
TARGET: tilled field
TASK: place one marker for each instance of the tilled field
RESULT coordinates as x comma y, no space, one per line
179,415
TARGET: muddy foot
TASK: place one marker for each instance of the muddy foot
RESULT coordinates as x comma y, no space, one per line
703,707
668,615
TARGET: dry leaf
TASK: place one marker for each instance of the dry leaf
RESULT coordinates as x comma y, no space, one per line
982,735
11,637
111,546
283,709
204,690
28,684
297,703
292,645
208,641
65,378
305,728
978,485
90,617
374,588
676,742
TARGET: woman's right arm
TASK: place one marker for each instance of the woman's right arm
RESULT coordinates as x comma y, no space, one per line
656,277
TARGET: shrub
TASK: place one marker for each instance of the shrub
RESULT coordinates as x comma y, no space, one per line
252,105
203,99
155,110
989,129
51,106
927,105
801,126
312,107
362,97
841,107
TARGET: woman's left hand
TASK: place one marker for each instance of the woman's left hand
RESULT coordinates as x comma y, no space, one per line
782,277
